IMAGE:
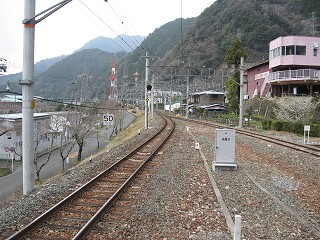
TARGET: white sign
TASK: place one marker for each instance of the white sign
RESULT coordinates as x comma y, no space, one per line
306,139
108,119
261,75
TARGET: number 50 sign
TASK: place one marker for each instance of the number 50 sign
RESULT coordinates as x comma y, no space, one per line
108,119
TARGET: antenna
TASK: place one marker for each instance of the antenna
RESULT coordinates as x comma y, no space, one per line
113,88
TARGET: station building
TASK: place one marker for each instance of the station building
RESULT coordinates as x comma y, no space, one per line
293,69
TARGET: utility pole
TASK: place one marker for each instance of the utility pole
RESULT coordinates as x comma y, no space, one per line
28,97
152,98
146,93
187,108
170,94
27,84
241,94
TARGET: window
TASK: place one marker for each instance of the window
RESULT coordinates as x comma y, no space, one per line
315,52
300,50
290,50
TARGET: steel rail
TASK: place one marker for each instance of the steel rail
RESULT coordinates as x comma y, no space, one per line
296,146
286,207
86,228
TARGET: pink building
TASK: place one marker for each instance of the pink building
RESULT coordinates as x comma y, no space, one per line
293,68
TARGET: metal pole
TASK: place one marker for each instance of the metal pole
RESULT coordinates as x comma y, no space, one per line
241,94
152,98
170,95
27,98
187,109
146,93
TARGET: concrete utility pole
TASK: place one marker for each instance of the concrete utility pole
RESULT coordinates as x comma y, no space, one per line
241,94
28,97
152,98
187,108
170,94
27,84
146,93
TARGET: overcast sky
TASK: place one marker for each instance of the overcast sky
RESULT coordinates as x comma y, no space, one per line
80,21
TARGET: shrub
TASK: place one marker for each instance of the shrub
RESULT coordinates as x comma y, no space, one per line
277,125
266,124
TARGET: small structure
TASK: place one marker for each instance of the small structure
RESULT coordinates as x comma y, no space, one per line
3,65
225,147
44,124
207,98
10,104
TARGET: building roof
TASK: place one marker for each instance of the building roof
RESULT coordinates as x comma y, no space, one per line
18,116
207,93
11,98
258,65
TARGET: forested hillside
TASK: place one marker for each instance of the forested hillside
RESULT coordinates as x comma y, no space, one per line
57,81
203,40
256,22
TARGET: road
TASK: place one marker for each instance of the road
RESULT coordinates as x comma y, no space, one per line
13,183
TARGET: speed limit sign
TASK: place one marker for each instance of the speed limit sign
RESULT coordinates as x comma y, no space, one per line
108,119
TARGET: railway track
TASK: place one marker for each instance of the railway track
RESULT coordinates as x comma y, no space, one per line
314,151
77,214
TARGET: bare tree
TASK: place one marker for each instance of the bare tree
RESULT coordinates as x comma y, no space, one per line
65,149
80,125
43,134
60,124
5,127
295,109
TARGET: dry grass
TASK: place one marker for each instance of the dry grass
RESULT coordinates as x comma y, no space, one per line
130,132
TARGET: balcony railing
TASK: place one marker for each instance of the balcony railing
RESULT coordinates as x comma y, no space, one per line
300,74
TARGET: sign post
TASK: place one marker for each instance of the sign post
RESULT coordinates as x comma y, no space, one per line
306,129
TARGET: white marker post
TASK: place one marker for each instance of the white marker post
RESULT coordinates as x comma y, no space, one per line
237,228
306,129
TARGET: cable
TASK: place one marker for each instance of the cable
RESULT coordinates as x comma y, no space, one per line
111,30
69,104
122,24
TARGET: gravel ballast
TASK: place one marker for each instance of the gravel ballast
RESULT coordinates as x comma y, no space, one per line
178,201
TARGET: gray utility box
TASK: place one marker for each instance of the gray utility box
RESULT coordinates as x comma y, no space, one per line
225,147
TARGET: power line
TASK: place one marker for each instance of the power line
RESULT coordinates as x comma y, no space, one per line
69,104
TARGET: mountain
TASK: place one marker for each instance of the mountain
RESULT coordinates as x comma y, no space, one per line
60,80
120,43
204,41
157,44
39,68
256,22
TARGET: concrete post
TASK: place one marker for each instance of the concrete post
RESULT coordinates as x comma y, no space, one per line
27,98
237,228
146,93
187,108
241,94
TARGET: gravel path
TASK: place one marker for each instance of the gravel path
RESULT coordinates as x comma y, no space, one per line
291,177
177,200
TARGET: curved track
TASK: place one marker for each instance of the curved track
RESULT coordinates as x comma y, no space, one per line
298,147
77,214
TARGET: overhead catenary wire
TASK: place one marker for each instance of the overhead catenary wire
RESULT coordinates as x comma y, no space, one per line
105,24
64,103
132,37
